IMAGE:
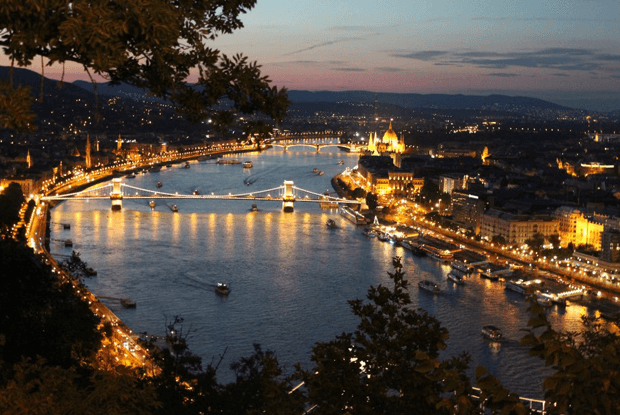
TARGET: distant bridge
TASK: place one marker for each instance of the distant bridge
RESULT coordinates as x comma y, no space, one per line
316,143
116,191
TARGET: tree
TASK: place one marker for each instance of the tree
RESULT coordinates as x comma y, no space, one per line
39,315
586,378
11,200
498,239
390,363
372,200
536,242
151,44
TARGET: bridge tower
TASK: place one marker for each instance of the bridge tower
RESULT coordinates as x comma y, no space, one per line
318,148
117,194
288,198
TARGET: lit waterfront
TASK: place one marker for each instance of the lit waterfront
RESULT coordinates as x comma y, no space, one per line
290,276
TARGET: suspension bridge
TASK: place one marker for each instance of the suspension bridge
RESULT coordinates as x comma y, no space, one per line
116,191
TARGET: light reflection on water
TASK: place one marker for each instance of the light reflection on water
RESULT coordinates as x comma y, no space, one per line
290,275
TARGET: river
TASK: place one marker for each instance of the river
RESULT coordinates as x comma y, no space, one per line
290,276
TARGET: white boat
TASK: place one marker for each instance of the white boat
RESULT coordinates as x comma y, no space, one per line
491,332
429,286
352,215
544,299
248,164
456,276
516,286
321,173
222,288
371,233
152,204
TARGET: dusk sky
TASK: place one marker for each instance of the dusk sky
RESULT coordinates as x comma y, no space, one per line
565,51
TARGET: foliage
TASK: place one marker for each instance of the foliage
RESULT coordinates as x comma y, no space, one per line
39,315
151,44
37,388
372,200
11,200
586,378
15,107
498,240
389,364
536,242
358,193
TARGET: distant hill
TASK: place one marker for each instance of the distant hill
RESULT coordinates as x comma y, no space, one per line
443,101
52,88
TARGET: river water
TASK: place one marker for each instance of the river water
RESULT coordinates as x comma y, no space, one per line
290,275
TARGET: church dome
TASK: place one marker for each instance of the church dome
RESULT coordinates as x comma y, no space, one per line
390,135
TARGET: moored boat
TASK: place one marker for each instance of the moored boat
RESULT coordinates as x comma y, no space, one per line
456,276
491,332
516,286
248,164
186,165
544,299
429,286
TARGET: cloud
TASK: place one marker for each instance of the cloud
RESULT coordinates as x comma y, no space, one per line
320,45
560,59
349,69
388,69
503,74
424,55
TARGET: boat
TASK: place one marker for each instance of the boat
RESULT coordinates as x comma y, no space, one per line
168,166
174,208
159,184
352,215
254,208
491,332
341,162
383,237
321,173
248,164
456,276
186,165
131,175
330,223
155,169
429,286
222,288
516,286
228,161
315,170
371,233
152,204
128,303
90,272
489,275
195,193
544,299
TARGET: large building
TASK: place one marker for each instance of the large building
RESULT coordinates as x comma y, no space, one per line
515,228
390,143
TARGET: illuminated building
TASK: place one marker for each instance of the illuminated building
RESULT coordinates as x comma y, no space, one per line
390,143
516,228
576,228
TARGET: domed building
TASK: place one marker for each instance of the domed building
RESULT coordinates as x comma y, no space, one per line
390,143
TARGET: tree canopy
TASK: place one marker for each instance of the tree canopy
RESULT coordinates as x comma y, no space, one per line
151,44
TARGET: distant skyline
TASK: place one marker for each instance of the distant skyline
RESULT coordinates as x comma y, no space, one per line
566,52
